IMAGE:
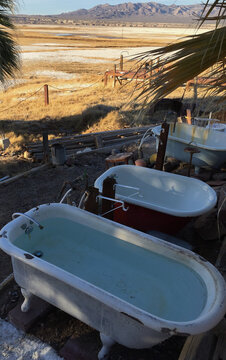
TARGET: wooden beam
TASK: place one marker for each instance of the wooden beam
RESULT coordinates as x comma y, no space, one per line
162,146
91,203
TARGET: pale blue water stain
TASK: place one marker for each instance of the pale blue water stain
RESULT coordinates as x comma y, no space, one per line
154,283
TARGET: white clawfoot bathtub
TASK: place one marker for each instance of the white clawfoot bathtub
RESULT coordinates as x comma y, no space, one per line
135,289
157,200
211,143
159,190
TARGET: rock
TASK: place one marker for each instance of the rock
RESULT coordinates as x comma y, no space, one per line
27,155
203,175
140,162
69,162
206,226
153,158
171,164
219,176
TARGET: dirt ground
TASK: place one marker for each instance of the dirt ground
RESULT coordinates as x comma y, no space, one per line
57,327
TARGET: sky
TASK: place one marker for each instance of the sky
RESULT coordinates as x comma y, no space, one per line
46,7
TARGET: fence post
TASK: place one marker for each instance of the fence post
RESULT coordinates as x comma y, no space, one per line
114,76
121,63
105,78
195,90
46,94
162,146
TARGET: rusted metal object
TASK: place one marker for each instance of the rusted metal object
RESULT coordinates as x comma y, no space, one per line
191,151
162,146
118,158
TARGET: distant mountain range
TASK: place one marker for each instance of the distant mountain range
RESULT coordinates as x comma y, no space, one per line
131,12
150,11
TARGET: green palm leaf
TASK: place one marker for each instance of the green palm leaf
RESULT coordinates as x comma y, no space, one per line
9,57
178,63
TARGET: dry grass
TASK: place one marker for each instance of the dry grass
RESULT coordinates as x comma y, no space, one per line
72,107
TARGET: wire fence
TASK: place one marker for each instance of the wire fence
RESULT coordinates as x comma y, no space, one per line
46,87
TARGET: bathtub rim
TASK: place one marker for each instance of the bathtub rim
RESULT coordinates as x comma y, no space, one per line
166,210
205,321
157,129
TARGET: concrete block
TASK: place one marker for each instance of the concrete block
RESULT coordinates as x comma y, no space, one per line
4,143
84,347
24,321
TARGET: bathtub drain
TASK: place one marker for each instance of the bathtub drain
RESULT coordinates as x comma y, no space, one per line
38,253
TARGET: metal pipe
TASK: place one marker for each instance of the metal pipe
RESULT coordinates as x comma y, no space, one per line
144,137
127,187
114,200
65,195
29,218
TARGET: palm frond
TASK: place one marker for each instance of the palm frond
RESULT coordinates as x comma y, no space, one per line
181,62
208,9
9,56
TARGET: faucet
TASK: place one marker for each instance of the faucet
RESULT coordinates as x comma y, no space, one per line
144,137
29,218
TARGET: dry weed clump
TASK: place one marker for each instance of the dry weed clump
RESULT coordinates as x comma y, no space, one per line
112,121
18,142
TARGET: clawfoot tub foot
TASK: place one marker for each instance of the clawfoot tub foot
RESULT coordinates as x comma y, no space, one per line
107,342
27,300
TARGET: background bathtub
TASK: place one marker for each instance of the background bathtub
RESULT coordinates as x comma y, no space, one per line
157,200
135,289
211,143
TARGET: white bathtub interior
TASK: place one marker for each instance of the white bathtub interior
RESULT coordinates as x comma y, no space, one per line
157,284
161,191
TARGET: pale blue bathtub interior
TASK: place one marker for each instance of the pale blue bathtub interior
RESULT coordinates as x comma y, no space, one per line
168,192
152,282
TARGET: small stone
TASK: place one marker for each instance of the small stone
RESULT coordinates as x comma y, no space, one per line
140,162
153,158
27,155
171,165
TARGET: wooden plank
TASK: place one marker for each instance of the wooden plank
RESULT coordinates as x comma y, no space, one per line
46,155
210,345
98,141
119,132
8,181
220,351
199,347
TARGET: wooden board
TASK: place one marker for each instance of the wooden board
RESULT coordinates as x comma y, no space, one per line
212,344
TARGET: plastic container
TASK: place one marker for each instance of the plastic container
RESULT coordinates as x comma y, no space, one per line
58,154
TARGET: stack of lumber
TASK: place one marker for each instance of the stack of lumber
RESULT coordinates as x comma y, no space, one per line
93,141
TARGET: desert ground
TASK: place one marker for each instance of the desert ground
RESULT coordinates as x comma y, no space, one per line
73,61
